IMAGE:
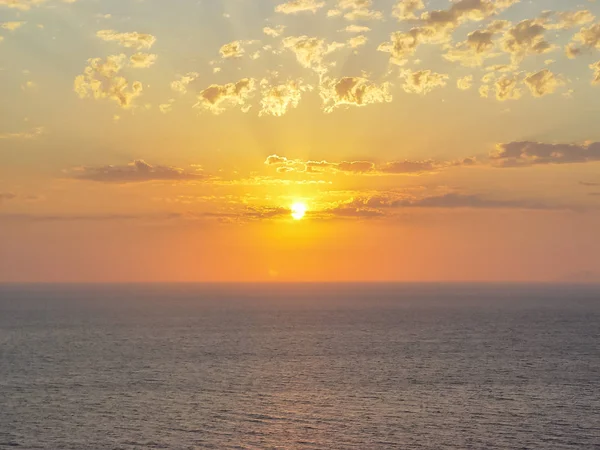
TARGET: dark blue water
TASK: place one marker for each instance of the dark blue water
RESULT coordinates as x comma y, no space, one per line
299,367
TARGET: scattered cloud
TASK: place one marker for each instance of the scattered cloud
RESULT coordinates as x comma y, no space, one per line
218,97
5,196
527,153
356,10
274,31
422,81
231,50
310,51
527,38
296,6
181,85
353,91
101,80
596,68
285,165
278,99
406,9
542,83
32,134
133,39
587,37
353,28
506,88
142,60
11,26
357,41
465,83
137,171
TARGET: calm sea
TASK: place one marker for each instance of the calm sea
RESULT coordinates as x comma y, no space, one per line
299,367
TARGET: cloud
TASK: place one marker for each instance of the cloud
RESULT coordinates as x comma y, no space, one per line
455,200
277,100
231,50
570,19
88,218
542,83
588,184
451,200
587,37
436,27
310,51
403,44
25,5
527,153
131,39
296,6
506,88
384,204
357,41
274,31
465,83
406,9
101,80
219,97
11,26
357,10
406,167
32,134
356,29
478,46
182,84
422,81
526,38
353,91
142,60
596,68
137,171
5,196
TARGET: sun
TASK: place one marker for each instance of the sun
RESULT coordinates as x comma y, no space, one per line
298,211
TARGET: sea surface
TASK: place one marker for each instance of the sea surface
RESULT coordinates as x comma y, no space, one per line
344,366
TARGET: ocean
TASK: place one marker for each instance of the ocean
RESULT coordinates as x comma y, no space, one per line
299,366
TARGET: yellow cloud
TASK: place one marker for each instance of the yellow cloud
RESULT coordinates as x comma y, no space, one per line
101,80
465,83
132,39
11,26
217,98
353,91
181,85
423,81
232,50
406,9
277,100
296,6
596,68
142,60
542,83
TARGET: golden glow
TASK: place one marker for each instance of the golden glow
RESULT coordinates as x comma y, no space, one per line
298,211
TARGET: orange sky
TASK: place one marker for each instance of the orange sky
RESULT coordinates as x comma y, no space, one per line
429,141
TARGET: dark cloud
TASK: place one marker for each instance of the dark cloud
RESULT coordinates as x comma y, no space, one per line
138,171
7,196
445,201
86,217
527,153
454,200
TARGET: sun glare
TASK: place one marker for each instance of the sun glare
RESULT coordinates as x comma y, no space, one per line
298,211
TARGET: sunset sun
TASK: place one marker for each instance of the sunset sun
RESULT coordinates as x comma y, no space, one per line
298,211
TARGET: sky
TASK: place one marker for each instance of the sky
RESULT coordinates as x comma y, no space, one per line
428,140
